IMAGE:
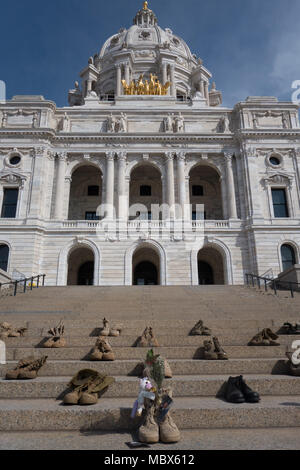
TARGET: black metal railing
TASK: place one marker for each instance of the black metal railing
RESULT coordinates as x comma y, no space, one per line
26,283
273,284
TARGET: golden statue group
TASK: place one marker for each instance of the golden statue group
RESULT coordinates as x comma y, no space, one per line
140,87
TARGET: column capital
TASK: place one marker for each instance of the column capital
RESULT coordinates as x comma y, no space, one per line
62,156
228,157
38,151
122,156
181,156
169,156
110,156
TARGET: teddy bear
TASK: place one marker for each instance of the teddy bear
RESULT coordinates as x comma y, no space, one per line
146,391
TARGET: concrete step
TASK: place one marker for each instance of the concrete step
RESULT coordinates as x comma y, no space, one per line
113,414
128,387
123,353
179,367
227,338
191,440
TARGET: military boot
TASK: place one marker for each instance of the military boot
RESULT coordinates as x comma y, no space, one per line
96,354
219,350
22,364
168,431
209,352
259,340
271,336
249,394
153,340
31,371
233,392
106,329
143,341
149,431
200,330
168,371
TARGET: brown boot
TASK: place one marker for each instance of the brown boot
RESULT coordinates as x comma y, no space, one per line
31,371
168,371
22,364
56,340
200,330
86,385
143,341
106,329
115,331
271,337
149,431
105,348
219,350
259,340
168,431
153,340
209,352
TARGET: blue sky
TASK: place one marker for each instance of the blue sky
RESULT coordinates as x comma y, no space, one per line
252,47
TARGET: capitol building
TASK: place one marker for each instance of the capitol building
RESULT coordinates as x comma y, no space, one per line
145,178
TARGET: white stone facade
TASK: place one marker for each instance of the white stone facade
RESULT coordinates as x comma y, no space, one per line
171,144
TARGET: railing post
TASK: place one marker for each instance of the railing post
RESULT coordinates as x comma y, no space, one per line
258,283
275,287
292,290
38,281
16,287
44,280
252,280
266,287
25,282
31,286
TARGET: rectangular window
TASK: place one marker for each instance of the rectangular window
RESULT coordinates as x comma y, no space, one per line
10,201
91,216
197,190
280,203
199,216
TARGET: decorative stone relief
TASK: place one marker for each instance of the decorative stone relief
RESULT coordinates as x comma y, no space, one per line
117,125
174,123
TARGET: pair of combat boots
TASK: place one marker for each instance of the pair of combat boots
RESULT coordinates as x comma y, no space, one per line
102,351
147,339
8,331
237,391
265,338
56,339
86,386
153,431
289,329
200,330
27,369
108,331
214,351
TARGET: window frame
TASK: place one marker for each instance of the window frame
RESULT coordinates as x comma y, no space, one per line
284,189
9,188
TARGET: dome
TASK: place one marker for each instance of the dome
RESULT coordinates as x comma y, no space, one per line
146,34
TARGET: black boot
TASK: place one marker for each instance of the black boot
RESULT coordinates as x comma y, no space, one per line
233,393
249,394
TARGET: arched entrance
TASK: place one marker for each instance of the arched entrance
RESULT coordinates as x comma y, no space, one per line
81,267
145,267
205,188
210,266
85,193
146,190
288,256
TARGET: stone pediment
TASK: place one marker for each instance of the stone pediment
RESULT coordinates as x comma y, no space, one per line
12,177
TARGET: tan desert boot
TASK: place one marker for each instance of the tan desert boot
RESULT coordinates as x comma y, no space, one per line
268,333
209,352
259,340
149,431
31,371
143,341
219,350
106,329
22,364
153,340
106,349
168,371
168,431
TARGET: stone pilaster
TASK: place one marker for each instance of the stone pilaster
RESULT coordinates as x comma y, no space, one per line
122,198
232,212
170,183
181,182
60,185
110,179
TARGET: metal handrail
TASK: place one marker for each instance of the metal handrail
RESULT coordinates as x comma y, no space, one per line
275,284
25,280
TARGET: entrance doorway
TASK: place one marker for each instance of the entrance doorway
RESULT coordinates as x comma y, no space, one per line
210,266
81,265
86,274
145,274
205,273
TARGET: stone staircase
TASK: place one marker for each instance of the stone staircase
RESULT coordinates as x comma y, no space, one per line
234,313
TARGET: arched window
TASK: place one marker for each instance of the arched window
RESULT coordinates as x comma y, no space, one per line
4,252
288,257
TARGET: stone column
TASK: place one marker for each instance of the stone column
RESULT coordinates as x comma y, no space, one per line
202,88
68,182
230,187
172,79
127,76
224,197
38,189
206,94
164,73
181,182
118,67
122,199
60,186
170,183
110,177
